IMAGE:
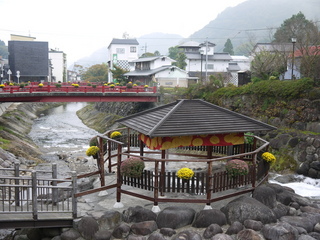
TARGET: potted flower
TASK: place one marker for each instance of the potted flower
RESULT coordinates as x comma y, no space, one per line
2,85
40,85
93,151
269,158
129,85
237,167
75,85
58,85
132,167
115,135
185,173
112,85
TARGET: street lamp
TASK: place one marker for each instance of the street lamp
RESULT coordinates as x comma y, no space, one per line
293,40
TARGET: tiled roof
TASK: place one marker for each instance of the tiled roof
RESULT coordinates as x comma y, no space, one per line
148,72
191,117
131,41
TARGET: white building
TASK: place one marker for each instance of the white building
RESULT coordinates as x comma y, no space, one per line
58,66
158,70
121,53
202,61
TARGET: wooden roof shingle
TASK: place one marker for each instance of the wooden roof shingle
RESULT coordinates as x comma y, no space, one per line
191,117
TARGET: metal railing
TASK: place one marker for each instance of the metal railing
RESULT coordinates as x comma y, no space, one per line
36,192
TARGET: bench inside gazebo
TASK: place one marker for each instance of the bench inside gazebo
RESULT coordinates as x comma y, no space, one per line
192,133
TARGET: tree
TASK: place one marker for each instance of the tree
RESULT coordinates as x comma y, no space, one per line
177,54
267,64
173,52
299,27
3,49
117,74
307,36
228,47
96,73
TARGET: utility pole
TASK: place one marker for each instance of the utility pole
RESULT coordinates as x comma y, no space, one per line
206,60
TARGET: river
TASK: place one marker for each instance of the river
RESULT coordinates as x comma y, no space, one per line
63,138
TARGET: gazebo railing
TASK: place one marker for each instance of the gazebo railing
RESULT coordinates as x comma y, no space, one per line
207,186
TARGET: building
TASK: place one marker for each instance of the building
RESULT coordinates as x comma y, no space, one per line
58,63
121,53
157,70
30,59
202,61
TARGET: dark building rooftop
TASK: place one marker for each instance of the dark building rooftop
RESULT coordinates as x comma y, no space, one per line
191,117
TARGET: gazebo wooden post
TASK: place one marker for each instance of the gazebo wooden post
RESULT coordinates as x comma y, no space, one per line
254,173
119,182
128,140
209,184
101,162
109,154
141,148
209,152
156,183
163,171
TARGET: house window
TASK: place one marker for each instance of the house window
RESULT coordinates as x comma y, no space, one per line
210,66
120,50
133,49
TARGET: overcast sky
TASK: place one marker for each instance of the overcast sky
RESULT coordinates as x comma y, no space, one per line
79,27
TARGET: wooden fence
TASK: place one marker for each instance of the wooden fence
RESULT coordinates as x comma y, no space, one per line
208,185
36,192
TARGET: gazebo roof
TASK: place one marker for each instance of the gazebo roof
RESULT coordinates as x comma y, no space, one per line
191,117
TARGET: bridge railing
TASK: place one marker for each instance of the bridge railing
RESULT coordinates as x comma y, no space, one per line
69,88
36,192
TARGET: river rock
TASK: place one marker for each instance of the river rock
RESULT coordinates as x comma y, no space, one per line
244,207
144,228
298,221
138,214
102,235
252,224
207,217
221,236
121,231
175,217
168,232
248,234
212,230
234,228
71,234
87,227
187,235
280,231
109,220
156,236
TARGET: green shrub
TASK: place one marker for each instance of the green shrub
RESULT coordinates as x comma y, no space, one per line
132,167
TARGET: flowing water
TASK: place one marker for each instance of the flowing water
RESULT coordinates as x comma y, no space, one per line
63,138
60,132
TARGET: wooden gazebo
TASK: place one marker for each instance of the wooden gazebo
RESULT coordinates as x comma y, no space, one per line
194,124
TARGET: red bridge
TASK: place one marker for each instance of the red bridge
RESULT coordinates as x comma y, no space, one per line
77,93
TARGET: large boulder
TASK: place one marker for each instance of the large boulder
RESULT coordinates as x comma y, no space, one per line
280,231
144,228
87,227
109,220
207,217
297,221
245,207
121,231
266,195
138,214
175,217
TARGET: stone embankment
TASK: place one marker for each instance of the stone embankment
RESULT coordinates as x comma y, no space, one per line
273,212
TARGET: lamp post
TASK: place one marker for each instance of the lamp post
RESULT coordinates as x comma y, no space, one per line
293,40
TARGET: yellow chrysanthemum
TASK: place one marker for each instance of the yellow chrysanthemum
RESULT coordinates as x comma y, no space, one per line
185,173
269,157
91,151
